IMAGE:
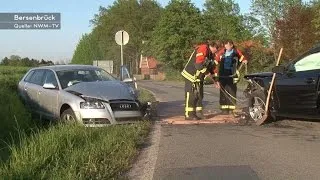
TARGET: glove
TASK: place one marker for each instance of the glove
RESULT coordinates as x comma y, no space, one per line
235,80
217,84
236,77
214,77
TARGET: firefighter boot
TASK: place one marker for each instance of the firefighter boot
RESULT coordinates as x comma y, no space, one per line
192,116
225,112
200,115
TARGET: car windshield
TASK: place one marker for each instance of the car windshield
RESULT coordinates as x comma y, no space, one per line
70,77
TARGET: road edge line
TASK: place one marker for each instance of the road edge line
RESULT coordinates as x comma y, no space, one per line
144,167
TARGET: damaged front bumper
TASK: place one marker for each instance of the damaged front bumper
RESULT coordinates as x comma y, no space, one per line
106,117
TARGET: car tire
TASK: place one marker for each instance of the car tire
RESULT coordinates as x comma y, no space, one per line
68,116
256,106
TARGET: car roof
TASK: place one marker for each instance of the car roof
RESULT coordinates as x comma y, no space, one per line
67,67
314,49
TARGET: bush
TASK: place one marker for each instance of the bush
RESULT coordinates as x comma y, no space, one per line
173,75
10,70
10,76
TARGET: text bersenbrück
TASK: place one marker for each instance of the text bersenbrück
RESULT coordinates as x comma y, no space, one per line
34,18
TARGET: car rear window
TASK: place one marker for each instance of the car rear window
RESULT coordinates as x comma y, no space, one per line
37,77
28,77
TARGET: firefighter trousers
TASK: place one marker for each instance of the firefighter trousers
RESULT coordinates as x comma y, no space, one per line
227,102
193,98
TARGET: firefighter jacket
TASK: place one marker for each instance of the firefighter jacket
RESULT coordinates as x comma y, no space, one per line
229,62
199,64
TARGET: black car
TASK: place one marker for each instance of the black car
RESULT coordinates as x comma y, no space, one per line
296,89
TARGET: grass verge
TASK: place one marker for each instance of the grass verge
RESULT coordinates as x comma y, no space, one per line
13,117
75,152
145,96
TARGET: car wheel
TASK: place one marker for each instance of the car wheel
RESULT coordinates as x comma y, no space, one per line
68,116
256,108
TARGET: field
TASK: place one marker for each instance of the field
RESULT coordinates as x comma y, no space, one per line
30,149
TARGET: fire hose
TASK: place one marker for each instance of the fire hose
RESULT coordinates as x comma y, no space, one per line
226,93
196,86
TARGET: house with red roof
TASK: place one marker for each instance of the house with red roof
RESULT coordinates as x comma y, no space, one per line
148,66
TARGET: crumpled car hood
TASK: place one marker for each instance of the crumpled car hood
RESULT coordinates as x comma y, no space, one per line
104,90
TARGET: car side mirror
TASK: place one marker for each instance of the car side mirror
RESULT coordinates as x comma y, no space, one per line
124,73
49,86
279,69
132,82
128,80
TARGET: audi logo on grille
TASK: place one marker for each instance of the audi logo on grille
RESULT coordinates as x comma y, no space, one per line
125,106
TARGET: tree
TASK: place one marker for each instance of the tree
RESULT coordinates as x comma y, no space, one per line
253,29
268,11
87,50
179,27
15,57
25,62
222,19
315,5
294,31
138,18
5,61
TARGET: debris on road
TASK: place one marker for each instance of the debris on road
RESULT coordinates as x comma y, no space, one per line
210,119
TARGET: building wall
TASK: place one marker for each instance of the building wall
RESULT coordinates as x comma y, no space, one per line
146,71
158,77
105,64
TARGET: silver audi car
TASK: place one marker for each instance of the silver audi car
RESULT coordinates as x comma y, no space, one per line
82,93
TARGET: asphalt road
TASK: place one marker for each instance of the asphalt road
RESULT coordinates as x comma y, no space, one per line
282,150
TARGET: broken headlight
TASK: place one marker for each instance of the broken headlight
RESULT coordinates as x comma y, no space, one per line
91,103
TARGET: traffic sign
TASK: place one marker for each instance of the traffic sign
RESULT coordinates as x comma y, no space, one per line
122,37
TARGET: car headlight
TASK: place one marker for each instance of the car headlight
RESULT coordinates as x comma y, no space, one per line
91,104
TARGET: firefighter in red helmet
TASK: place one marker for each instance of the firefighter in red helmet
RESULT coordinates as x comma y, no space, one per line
200,63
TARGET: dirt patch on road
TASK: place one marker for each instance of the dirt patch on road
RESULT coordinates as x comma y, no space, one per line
210,119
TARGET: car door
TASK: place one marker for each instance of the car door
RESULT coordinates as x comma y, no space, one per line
48,95
33,87
23,89
297,88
